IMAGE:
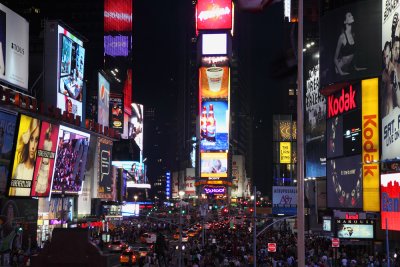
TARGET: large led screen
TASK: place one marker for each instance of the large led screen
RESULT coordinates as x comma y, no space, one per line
335,137
14,48
214,82
117,15
214,165
136,173
8,123
389,91
103,100
46,152
70,165
104,152
25,156
116,114
214,44
214,14
390,207
130,209
116,46
356,231
349,49
344,183
136,124
214,126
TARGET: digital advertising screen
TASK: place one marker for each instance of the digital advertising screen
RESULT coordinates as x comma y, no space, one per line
117,46
71,157
214,190
136,125
345,183
214,125
352,134
118,15
104,152
8,123
130,209
14,48
362,229
103,100
46,153
327,225
214,44
71,72
214,14
25,156
390,209
335,137
347,52
116,113
214,82
214,165
136,173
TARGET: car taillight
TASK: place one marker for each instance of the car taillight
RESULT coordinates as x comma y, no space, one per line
120,246
133,257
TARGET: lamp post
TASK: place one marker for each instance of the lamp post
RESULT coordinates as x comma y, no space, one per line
254,199
181,194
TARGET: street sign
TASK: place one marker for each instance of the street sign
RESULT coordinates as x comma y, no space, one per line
271,247
335,242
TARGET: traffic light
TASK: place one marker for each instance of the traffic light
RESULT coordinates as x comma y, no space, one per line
251,209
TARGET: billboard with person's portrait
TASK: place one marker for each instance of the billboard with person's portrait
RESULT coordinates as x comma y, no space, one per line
214,165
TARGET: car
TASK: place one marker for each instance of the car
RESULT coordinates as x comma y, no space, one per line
176,235
185,238
191,233
117,246
128,257
143,251
148,238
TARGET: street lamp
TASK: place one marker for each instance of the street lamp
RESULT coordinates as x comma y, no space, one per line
181,194
135,197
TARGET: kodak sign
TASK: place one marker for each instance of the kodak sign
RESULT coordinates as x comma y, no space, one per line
370,144
340,104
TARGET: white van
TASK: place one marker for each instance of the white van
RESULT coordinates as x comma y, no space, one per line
148,238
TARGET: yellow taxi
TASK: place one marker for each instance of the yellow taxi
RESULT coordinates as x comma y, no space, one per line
128,257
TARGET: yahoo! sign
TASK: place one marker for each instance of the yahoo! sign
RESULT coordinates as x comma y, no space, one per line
214,15
339,104
214,190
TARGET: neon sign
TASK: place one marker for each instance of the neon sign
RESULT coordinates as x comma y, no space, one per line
214,14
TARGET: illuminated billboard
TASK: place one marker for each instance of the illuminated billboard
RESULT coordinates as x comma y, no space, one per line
390,199
284,200
8,122
285,152
103,100
117,15
130,209
214,44
136,125
214,82
214,165
136,173
25,156
116,46
214,190
214,126
70,165
105,176
355,229
116,113
14,48
214,15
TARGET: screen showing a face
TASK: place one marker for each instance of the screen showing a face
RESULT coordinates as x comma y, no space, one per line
136,173
70,165
103,100
136,124
214,165
8,123
356,231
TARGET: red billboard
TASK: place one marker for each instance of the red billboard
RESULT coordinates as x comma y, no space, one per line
117,15
214,15
390,199
128,92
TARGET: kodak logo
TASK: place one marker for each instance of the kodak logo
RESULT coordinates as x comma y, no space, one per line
343,103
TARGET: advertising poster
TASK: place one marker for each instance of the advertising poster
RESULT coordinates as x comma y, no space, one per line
116,46
390,209
214,165
127,91
214,15
344,183
14,48
104,152
284,200
25,156
136,173
335,137
118,15
71,157
363,229
214,82
103,101
285,152
348,42
389,91
175,185
116,112
8,123
136,125
46,152
214,126
190,179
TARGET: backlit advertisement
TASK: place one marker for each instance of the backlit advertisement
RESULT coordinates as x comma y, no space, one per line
190,179
370,144
136,173
284,200
117,15
214,44
214,126
8,122
116,113
347,50
214,15
105,176
14,48
214,82
390,199
344,183
25,156
285,152
130,209
71,157
116,46
214,190
103,100
356,229
389,91
128,92
136,125
214,165
46,152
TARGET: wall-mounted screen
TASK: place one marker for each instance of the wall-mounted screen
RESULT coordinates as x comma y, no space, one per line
214,82
390,209
136,173
8,122
116,113
130,209
214,44
118,15
105,176
136,124
214,15
116,46
103,100
355,229
214,165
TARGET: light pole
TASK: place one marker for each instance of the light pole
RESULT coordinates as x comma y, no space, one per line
254,198
181,194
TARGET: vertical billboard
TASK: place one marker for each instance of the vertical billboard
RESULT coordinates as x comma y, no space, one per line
117,15
116,113
136,125
105,176
70,165
214,44
8,122
190,179
284,200
389,92
103,100
168,185
14,48
390,199
117,46
285,152
214,165
346,50
370,144
214,15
